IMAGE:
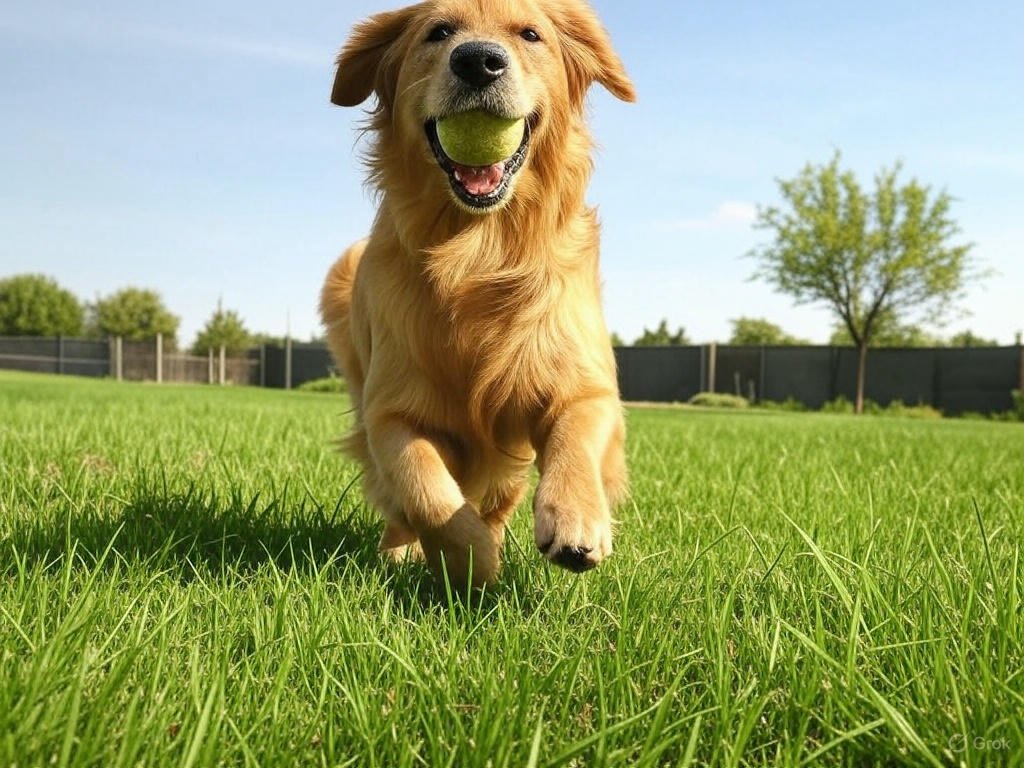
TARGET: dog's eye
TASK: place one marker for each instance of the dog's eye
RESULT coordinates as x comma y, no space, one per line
530,35
440,32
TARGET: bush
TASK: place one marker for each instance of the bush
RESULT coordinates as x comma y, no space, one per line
1018,404
329,385
719,400
839,405
920,411
790,404
973,416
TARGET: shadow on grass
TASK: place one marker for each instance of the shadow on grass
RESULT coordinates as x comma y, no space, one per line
197,534
203,532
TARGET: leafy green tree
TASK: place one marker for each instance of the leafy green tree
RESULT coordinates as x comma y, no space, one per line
224,329
135,314
662,337
617,340
35,305
271,340
970,339
866,256
889,333
756,331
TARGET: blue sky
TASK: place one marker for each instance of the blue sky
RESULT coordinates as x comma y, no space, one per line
190,147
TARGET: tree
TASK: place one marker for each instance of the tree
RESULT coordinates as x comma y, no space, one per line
865,256
756,332
662,337
35,305
136,314
970,339
224,329
617,340
889,333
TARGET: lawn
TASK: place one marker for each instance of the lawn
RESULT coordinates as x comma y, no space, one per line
188,577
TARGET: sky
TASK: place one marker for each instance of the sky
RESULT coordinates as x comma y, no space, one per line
191,147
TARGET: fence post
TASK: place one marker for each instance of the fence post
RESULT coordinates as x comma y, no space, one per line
288,363
1020,378
703,367
119,357
712,363
220,376
159,358
761,375
209,366
60,353
263,365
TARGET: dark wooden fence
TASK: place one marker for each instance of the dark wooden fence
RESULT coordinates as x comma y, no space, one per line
954,380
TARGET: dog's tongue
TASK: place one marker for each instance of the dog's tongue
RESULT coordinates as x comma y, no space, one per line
480,181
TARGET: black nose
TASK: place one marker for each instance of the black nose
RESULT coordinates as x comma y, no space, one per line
479,64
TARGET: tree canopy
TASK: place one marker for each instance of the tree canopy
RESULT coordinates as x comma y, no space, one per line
135,314
756,331
225,328
662,337
867,256
36,305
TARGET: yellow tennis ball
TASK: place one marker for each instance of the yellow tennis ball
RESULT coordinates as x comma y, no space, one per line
478,138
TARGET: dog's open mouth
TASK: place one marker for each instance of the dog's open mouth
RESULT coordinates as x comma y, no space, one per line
480,187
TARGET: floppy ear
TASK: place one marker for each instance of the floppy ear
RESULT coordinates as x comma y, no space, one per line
588,53
361,69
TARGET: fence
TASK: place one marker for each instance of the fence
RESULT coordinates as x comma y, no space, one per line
130,360
954,380
79,357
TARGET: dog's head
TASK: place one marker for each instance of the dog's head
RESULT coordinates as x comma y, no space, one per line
530,59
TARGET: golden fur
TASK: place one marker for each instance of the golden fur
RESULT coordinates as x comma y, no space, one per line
474,343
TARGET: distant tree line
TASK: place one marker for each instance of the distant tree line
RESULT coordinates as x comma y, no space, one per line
36,305
757,331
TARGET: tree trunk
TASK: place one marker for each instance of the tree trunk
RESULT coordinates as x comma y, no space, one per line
862,364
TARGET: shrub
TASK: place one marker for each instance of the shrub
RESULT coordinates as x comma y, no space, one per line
719,400
973,416
920,411
839,405
329,385
789,404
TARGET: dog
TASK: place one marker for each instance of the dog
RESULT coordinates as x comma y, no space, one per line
469,324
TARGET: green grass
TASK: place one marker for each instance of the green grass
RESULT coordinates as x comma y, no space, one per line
188,577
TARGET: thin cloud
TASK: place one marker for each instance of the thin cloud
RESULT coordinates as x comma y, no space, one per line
732,214
88,29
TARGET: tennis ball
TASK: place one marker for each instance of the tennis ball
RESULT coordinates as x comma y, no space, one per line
479,138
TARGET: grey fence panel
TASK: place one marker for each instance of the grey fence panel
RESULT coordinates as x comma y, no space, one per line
738,370
898,374
806,374
979,379
308,361
79,357
659,374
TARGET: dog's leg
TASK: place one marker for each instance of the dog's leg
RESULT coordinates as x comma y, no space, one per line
582,472
418,480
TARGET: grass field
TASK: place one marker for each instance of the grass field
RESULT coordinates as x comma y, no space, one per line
188,577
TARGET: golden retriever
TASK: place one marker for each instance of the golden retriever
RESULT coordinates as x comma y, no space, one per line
469,324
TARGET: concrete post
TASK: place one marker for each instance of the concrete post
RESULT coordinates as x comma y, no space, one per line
159,358
712,363
288,363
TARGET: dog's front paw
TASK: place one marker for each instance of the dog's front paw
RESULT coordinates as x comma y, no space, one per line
465,547
576,539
